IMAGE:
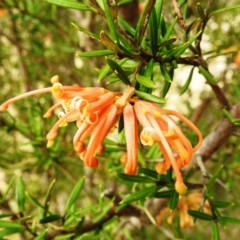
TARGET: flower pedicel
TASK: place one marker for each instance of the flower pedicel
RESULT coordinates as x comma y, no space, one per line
96,111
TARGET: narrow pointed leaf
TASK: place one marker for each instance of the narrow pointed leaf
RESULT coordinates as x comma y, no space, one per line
20,194
215,176
224,220
66,236
118,71
70,4
150,97
173,202
132,178
148,172
143,21
2,199
141,194
97,53
180,50
170,30
75,193
110,21
187,83
164,194
153,28
165,73
51,218
208,76
224,9
9,231
12,225
200,215
81,29
215,231
127,26
42,235
158,7
108,43
35,201
219,204
201,12
145,81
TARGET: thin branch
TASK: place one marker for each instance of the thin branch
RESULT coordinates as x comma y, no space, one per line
218,137
179,14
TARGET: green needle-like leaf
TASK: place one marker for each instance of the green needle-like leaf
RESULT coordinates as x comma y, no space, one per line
215,231
81,29
42,235
187,83
208,76
143,21
110,21
75,193
20,194
145,81
200,215
173,202
150,97
70,4
118,71
51,218
131,178
97,53
141,194
224,9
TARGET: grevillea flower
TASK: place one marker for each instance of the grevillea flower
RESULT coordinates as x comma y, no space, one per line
185,203
96,112
159,127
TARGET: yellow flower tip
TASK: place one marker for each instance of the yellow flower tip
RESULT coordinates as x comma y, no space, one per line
157,114
63,123
55,79
3,107
57,90
162,167
148,136
123,159
47,115
50,143
180,187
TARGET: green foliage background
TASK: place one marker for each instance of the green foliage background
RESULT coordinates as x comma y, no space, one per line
37,41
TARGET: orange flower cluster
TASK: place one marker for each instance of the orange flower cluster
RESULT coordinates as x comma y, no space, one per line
96,111
185,203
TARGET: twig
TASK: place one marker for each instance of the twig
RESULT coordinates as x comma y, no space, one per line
215,139
179,14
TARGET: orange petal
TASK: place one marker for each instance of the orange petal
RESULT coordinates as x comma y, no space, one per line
130,124
191,125
102,129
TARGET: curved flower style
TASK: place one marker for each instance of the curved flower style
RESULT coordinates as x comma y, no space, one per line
159,127
96,111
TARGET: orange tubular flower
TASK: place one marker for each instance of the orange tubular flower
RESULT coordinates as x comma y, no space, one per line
96,111
159,127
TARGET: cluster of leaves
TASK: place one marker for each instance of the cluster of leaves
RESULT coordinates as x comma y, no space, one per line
146,57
